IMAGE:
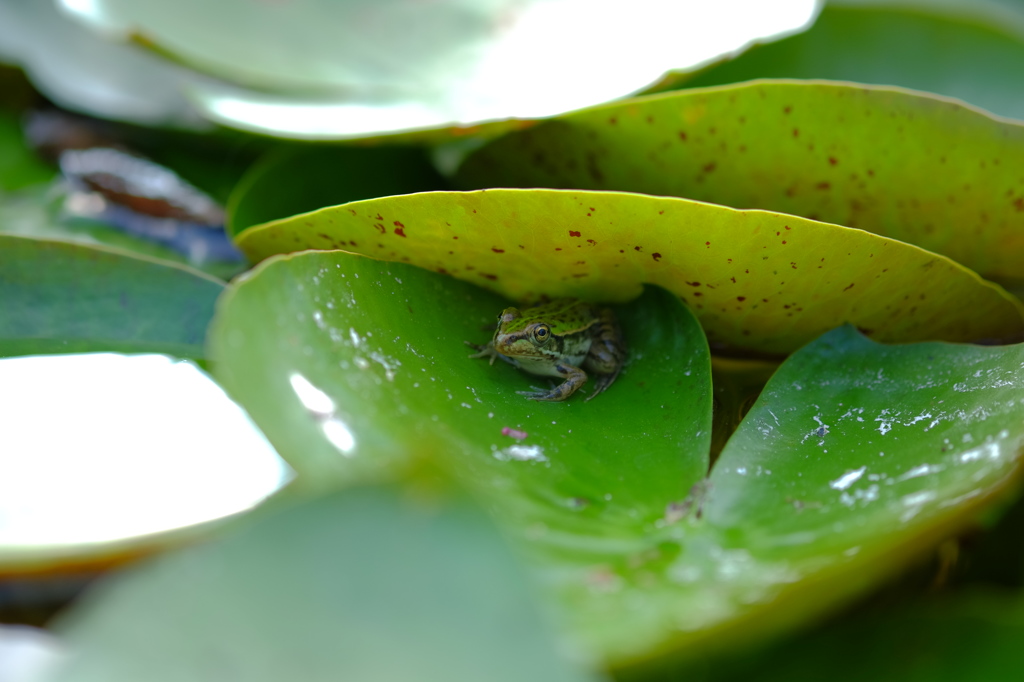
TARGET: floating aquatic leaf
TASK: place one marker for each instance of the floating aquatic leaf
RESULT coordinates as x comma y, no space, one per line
756,280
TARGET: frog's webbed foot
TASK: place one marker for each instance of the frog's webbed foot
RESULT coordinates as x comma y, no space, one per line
601,382
574,378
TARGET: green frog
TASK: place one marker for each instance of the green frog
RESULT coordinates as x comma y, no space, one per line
564,338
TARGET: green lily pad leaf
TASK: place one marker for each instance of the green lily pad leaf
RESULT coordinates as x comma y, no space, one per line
361,364
916,168
352,367
755,280
968,50
66,298
365,585
19,166
295,180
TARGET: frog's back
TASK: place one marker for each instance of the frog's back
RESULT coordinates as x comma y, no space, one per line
566,315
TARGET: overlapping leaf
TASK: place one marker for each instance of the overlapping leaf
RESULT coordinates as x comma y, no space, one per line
855,457
364,585
755,280
921,169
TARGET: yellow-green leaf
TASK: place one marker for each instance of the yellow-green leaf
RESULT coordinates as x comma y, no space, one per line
922,169
755,279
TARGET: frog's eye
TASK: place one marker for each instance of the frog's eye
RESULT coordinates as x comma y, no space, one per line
541,334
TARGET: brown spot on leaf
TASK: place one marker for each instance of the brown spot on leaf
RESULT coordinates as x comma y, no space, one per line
849,287
694,284
400,231
741,298
592,242
824,185
380,227
682,136
1019,204
574,233
497,250
832,160
709,167
656,256
796,132
787,109
488,276
637,248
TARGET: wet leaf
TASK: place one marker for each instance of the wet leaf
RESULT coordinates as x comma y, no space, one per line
921,169
330,351
968,50
365,585
299,179
65,298
755,280
352,367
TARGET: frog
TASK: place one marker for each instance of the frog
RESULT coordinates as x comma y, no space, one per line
564,338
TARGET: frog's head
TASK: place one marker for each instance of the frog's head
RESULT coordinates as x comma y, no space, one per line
519,335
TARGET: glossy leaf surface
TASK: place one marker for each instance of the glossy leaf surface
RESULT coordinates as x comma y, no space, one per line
66,298
365,585
755,280
968,50
353,366
920,169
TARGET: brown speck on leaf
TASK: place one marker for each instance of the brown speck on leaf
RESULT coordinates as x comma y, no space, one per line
380,227
783,241
455,237
871,172
733,280
574,233
497,250
352,243
661,213
488,276
558,248
849,287
796,132
400,232
741,298
824,185
656,256
697,293
580,274
380,217
708,244
1019,204
522,247
592,242
323,236
637,248
832,160
787,109
694,284
709,167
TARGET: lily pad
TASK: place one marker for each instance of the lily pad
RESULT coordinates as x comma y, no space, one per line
366,585
756,280
969,50
349,365
363,68
65,298
921,169
354,367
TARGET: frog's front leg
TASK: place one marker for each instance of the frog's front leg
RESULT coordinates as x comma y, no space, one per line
574,378
488,352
